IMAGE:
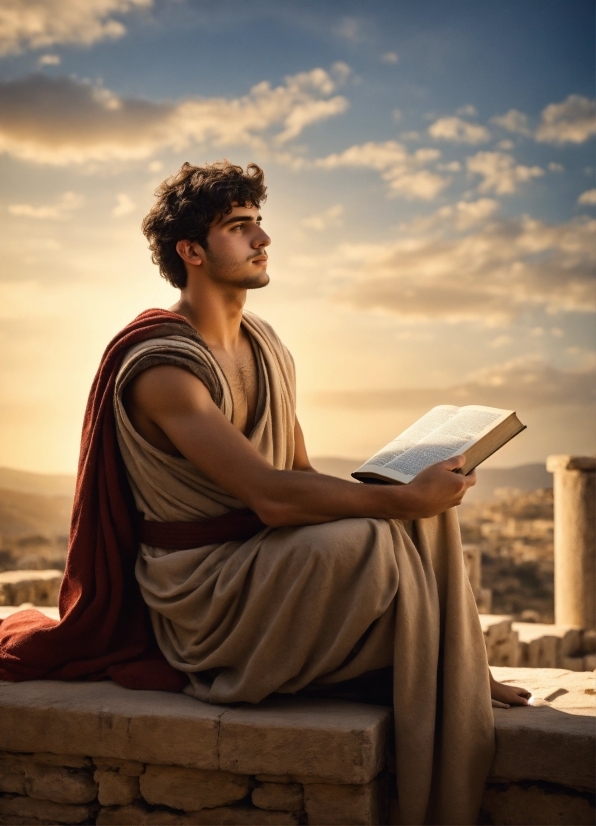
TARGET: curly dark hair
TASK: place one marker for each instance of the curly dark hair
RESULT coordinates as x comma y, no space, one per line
187,204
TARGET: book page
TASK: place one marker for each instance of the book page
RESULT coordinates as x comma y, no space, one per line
450,439
414,434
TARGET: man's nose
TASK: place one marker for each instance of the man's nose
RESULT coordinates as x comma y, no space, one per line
262,240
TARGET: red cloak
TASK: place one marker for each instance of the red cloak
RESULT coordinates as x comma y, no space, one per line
104,629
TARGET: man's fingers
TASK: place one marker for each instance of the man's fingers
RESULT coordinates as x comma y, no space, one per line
454,463
470,478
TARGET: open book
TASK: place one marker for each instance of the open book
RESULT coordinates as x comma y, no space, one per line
443,432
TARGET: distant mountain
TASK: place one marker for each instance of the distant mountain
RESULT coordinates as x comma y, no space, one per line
523,477
39,483
38,504
29,514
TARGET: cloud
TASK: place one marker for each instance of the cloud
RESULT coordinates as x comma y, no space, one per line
62,120
468,111
459,131
525,382
124,205
59,211
352,29
466,263
500,172
49,60
556,167
404,172
331,217
572,121
513,121
588,197
42,23
390,57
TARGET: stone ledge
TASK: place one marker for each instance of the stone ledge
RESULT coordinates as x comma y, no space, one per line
553,740
37,587
332,740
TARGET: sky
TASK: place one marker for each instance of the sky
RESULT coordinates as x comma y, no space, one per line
430,168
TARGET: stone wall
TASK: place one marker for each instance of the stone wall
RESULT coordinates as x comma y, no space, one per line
537,645
98,753
33,587
67,789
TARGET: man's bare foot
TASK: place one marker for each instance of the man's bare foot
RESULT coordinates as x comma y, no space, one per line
504,695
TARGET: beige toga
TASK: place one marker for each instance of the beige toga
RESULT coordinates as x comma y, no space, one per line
320,603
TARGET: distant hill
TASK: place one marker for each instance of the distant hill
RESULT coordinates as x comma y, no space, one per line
39,483
29,514
523,477
38,504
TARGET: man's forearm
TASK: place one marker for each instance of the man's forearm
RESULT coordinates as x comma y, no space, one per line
296,498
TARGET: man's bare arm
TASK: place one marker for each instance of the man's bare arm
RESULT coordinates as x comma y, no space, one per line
176,403
301,460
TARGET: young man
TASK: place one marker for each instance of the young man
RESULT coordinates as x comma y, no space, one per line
334,579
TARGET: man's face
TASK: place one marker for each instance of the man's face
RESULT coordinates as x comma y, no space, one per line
236,249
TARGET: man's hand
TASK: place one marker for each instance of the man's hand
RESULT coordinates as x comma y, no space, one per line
437,488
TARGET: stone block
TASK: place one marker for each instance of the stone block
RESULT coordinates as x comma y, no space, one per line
12,781
44,810
59,785
496,627
139,814
332,740
35,587
191,789
69,761
274,778
107,720
553,740
131,768
543,652
332,803
116,789
285,797
589,641
535,805
547,644
589,662
572,663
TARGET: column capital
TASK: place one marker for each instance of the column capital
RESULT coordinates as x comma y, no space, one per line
567,462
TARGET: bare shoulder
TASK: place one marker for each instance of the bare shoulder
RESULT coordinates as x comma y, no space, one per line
165,386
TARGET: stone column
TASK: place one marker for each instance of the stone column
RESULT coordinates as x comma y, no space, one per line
575,539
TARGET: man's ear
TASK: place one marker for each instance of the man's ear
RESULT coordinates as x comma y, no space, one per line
190,252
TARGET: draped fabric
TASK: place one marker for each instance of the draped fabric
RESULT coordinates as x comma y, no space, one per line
104,630
299,606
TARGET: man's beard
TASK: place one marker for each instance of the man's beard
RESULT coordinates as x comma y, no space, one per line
229,273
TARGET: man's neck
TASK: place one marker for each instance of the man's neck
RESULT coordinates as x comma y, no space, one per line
215,313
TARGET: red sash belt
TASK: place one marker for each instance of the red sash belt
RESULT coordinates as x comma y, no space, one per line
236,525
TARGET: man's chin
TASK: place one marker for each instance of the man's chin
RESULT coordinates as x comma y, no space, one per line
257,281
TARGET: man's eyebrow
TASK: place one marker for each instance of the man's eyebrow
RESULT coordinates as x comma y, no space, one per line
241,218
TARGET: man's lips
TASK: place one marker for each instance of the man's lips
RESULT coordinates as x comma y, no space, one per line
259,258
